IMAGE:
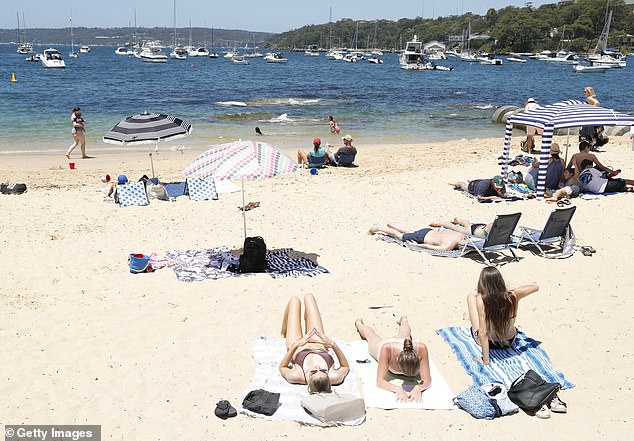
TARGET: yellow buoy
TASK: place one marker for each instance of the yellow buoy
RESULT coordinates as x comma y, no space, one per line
13,80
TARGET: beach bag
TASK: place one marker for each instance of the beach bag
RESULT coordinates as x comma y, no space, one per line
499,393
262,401
139,263
334,407
477,403
568,242
601,138
253,258
530,391
157,191
12,188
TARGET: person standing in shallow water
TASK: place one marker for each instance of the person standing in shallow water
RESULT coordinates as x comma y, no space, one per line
334,128
78,131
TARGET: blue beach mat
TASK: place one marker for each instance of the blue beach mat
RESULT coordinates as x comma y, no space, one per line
506,364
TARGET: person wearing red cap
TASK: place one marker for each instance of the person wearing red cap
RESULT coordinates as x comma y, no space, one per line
316,158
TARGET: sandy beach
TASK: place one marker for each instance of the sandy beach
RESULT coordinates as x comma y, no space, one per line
147,356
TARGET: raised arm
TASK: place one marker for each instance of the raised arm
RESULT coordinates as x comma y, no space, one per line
340,373
599,166
382,371
525,290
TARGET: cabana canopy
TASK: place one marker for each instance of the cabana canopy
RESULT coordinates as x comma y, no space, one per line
561,115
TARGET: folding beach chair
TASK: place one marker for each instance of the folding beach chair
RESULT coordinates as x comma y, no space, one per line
552,233
498,239
316,161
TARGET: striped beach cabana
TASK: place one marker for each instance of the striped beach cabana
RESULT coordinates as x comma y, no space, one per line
565,114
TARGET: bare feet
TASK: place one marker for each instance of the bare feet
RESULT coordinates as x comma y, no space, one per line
435,224
374,229
356,325
400,321
67,155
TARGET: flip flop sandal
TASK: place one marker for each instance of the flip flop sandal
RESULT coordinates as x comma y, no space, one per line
563,202
589,248
225,410
586,252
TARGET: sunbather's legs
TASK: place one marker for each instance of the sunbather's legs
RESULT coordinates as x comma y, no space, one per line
400,228
312,316
292,321
473,312
404,330
464,186
460,227
302,158
368,334
387,231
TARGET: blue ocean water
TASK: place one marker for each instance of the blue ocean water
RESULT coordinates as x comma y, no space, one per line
289,102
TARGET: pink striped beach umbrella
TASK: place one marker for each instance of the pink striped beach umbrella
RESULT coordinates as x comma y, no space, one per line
241,160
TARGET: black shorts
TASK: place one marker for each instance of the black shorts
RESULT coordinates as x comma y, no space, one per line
615,186
416,236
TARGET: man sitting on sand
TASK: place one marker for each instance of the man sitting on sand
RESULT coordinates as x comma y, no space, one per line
592,180
569,190
584,153
483,189
344,157
427,238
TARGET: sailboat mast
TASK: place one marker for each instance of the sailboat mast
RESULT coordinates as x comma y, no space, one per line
174,42
17,14
72,42
330,30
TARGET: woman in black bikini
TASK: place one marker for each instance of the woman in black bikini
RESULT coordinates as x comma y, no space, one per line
465,227
492,311
307,360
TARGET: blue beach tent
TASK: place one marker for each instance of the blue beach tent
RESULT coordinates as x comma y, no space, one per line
565,114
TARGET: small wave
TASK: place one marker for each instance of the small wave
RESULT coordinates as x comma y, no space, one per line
248,116
284,101
484,107
282,118
231,103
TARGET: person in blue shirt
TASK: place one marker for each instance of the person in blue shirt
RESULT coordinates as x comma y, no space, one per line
317,157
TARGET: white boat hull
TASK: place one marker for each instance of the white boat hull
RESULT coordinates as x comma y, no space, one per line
590,69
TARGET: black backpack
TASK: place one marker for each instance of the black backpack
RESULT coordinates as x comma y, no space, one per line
253,258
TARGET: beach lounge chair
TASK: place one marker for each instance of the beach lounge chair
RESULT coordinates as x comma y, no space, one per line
316,161
498,239
552,233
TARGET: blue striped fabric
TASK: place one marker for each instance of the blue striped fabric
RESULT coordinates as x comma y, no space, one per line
565,114
280,264
506,364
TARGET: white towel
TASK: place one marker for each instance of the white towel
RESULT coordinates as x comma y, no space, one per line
438,396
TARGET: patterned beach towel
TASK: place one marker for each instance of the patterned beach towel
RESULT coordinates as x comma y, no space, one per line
212,263
449,253
267,353
506,364
512,196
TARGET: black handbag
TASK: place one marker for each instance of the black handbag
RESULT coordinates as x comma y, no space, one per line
530,391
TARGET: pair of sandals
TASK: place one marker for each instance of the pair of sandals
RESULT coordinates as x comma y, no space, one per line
563,202
225,410
588,251
249,206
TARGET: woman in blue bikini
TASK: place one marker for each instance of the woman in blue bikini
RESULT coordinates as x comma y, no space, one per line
308,360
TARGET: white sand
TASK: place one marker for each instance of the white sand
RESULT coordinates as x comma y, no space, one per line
147,356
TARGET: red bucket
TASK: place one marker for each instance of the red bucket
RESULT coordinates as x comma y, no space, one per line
71,165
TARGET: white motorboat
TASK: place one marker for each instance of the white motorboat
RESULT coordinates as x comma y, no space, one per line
52,59
469,58
275,57
124,50
608,61
230,54
578,68
239,59
564,57
437,56
34,57
213,54
412,57
516,59
312,51
350,58
179,53
375,60
152,55
489,60
198,52
25,48
84,49
334,54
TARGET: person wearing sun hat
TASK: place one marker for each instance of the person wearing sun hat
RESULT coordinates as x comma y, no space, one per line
345,156
316,158
483,189
554,170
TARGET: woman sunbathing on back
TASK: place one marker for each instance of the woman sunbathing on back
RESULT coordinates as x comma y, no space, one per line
400,356
492,311
307,360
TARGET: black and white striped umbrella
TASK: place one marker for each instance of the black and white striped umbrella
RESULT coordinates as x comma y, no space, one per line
147,128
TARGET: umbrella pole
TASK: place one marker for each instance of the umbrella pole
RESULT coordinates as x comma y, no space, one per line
152,164
567,144
244,212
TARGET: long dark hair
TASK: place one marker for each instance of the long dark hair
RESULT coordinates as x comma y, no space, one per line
499,305
408,359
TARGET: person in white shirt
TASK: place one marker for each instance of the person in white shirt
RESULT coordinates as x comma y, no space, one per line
592,180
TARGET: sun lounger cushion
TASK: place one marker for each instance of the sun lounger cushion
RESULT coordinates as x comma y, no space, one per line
132,195
334,407
201,189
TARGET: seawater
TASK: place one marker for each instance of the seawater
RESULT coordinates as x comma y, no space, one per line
289,102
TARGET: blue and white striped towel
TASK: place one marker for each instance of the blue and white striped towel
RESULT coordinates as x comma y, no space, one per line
506,364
